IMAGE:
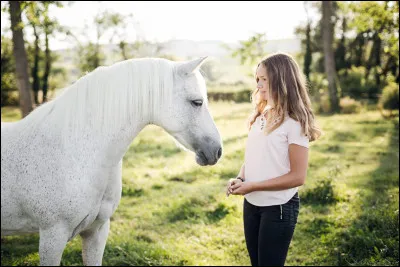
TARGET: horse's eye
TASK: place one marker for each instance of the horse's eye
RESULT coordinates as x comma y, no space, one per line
197,103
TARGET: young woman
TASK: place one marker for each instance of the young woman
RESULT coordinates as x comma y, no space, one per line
276,159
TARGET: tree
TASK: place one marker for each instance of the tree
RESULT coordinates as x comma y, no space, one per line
119,25
329,59
8,79
250,51
33,12
37,13
366,46
377,23
21,61
90,54
357,48
308,53
49,27
341,51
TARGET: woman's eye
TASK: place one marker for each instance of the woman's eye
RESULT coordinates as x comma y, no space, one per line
197,103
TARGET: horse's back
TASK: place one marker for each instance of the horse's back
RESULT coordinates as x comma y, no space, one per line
9,131
7,126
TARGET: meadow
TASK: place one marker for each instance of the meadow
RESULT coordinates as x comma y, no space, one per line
175,212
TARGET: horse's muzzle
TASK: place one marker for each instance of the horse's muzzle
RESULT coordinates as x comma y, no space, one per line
204,158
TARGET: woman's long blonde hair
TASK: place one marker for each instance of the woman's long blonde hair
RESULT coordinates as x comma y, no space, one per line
288,89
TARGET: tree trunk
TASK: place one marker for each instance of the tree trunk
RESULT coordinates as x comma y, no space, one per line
390,66
21,62
359,48
35,68
377,54
370,59
308,54
340,53
122,46
47,67
329,59
97,58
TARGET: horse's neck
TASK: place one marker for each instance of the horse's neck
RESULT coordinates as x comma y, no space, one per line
107,140
90,146
113,147
107,150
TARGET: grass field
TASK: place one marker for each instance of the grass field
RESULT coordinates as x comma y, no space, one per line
174,212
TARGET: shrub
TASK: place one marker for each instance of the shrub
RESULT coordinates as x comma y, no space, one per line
390,97
322,193
354,84
242,96
324,104
349,105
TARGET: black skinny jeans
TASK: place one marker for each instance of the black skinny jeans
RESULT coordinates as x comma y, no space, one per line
269,230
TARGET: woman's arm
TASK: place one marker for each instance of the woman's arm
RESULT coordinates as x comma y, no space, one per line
298,156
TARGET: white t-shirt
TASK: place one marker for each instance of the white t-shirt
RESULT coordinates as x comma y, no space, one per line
267,157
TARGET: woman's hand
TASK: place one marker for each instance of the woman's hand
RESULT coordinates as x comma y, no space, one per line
242,188
230,184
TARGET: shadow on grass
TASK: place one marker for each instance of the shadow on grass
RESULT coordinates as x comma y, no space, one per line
146,149
129,192
20,250
196,210
373,238
140,251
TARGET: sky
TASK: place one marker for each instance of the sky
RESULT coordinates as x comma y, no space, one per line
163,21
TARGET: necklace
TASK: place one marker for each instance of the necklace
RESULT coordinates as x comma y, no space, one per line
263,120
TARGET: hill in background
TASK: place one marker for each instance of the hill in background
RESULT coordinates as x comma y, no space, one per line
229,69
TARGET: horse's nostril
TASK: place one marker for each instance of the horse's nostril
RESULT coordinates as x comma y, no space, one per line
219,153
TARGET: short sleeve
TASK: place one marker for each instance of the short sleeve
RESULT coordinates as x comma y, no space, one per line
295,135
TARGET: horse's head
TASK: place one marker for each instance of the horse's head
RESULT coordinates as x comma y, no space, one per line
187,118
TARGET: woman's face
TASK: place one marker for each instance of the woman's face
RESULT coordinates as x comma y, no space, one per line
262,84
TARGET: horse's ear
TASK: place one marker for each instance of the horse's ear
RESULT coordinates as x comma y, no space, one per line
191,66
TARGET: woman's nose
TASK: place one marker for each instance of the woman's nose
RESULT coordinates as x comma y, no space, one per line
259,86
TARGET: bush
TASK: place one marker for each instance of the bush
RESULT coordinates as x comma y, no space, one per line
9,89
322,193
242,96
324,104
236,96
353,83
390,97
317,85
349,105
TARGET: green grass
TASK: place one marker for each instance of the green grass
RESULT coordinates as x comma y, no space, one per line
174,212
10,114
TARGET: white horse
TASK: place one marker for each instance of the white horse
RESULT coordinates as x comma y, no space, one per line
61,165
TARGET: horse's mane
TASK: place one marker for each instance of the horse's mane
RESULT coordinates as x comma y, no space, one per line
110,96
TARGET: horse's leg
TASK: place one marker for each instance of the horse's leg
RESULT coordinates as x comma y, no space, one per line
93,244
52,243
